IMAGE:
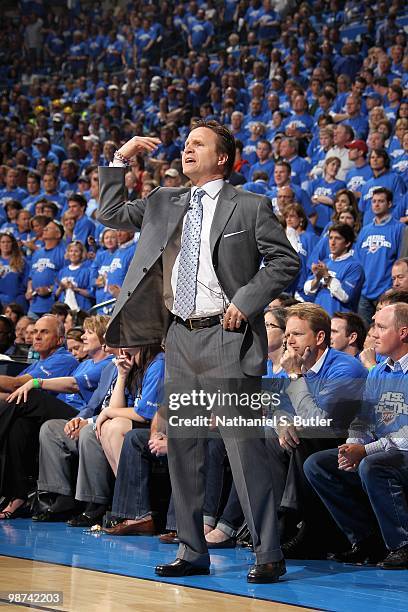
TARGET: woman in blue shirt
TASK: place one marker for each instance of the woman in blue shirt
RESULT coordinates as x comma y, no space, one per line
322,192
135,398
13,272
101,265
295,218
75,276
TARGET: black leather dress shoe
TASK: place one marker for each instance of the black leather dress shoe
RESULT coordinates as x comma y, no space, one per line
265,573
396,559
180,568
228,543
367,552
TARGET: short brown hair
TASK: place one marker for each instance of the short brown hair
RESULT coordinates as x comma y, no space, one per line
354,323
315,315
226,141
97,324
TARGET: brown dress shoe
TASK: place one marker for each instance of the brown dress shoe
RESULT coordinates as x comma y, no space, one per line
169,538
141,527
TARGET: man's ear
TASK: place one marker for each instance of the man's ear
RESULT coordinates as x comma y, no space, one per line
321,338
222,159
352,337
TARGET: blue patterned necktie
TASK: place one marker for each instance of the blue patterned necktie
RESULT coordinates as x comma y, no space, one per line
184,300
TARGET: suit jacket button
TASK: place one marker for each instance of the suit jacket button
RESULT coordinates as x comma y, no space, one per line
144,270
129,293
161,249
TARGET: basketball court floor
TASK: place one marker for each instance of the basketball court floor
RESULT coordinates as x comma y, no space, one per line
104,573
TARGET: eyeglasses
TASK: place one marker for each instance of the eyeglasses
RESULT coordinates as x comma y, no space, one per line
272,326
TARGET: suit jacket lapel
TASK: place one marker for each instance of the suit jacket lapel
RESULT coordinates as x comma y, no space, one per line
177,207
223,211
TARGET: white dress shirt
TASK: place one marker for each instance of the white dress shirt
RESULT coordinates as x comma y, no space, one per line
209,296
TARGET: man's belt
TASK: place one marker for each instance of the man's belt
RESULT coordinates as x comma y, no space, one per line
200,323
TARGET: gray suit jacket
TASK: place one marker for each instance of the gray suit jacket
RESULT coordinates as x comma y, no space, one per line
140,316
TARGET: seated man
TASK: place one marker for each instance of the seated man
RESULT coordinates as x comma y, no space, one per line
348,333
324,394
27,410
364,482
54,361
59,449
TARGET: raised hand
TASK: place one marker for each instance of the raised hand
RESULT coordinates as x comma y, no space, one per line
137,145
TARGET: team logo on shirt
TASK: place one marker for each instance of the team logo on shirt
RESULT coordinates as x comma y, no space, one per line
370,192
115,265
43,263
375,242
4,270
391,405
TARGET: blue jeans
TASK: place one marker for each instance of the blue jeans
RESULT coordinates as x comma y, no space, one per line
131,498
375,495
232,516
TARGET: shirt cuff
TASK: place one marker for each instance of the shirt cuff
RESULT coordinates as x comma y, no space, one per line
90,421
116,163
374,447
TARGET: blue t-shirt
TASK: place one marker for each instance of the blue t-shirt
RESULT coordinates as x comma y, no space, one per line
357,177
79,277
300,169
13,285
321,187
390,180
266,166
60,363
351,276
84,228
147,401
377,248
45,265
119,265
100,267
303,123
87,376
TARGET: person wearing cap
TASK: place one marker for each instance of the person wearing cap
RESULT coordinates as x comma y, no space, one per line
361,173
382,177
44,268
172,178
43,150
83,185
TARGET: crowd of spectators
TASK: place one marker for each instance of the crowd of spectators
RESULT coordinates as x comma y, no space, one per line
316,95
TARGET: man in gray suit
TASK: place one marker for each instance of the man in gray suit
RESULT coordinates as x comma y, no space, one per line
197,269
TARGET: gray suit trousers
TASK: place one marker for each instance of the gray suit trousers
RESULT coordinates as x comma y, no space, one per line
208,359
73,467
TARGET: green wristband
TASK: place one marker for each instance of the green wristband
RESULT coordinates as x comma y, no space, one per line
36,383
